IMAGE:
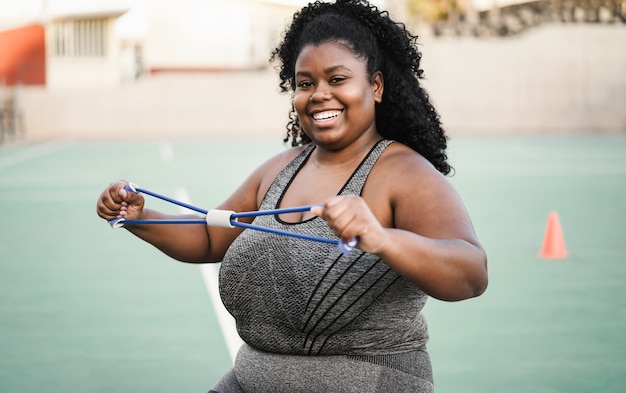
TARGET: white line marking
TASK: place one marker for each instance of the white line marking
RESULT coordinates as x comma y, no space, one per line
210,275
166,151
31,153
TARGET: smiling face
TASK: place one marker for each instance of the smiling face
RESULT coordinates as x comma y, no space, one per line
335,97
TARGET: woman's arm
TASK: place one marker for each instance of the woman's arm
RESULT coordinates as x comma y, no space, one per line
187,243
412,217
190,243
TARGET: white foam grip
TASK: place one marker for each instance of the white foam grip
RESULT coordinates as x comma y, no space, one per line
219,218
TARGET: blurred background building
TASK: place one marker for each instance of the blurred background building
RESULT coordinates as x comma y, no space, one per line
508,17
103,43
150,68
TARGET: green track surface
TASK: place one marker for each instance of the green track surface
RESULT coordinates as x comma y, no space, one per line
85,308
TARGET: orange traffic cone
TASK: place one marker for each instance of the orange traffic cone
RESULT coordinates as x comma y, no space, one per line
553,242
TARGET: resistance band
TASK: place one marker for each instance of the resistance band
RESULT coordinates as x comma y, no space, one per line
229,219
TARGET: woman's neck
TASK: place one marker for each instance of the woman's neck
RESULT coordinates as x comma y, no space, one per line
325,159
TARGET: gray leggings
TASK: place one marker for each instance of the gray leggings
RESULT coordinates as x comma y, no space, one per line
258,371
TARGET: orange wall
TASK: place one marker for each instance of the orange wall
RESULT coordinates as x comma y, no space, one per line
23,56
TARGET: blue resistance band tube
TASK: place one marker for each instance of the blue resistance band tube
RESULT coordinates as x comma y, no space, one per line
229,219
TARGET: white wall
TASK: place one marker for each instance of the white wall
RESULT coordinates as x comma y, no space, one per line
206,34
554,79
84,72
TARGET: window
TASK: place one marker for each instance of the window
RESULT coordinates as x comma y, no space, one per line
80,38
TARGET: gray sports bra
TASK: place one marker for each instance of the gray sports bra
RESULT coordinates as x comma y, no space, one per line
301,297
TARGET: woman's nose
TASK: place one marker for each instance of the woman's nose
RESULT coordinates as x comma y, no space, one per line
319,95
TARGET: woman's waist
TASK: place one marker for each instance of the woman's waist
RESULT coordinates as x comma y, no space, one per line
362,373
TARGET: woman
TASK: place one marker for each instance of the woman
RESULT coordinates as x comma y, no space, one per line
368,146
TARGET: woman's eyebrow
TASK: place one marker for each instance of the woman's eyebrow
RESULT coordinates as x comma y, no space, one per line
328,70
337,68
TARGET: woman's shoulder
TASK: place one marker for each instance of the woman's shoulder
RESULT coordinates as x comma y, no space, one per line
267,171
401,180
280,160
399,157
405,174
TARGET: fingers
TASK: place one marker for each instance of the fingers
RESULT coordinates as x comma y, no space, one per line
318,210
109,203
348,216
116,202
122,193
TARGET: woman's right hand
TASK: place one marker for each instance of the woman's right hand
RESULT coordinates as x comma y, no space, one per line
116,202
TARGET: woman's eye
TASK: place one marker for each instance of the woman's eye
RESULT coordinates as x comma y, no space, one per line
304,84
337,79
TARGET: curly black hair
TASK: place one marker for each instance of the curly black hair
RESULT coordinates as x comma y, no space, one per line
406,114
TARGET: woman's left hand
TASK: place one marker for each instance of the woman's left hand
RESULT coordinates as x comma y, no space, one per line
349,217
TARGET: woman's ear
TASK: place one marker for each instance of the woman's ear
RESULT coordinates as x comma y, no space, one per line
378,86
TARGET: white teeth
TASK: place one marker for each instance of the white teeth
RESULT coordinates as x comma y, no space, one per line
326,115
